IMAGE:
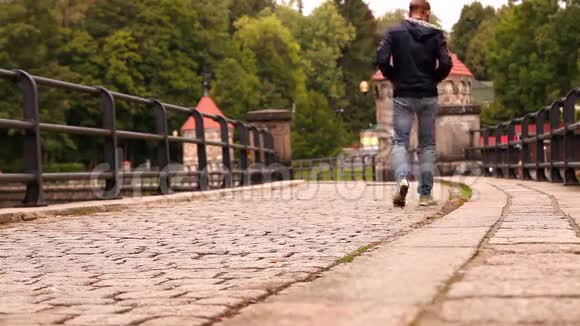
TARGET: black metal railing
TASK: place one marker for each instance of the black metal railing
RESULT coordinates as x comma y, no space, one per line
341,168
261,143
542,146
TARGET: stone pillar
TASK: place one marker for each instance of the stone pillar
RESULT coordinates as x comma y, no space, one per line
278,123
453,137
384,102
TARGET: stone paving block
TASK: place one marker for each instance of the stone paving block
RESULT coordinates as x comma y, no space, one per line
89,309
42,318
564,260
531,249
513,310
524,240
181,321
195,310
540,286
223,301
309,313
22,308
109,319
151,294
465,222
441,237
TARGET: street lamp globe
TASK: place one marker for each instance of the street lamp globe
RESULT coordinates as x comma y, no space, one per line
364,87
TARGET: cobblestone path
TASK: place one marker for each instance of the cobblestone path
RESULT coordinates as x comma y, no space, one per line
189,263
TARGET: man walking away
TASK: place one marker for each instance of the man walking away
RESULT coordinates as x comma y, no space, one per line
414,57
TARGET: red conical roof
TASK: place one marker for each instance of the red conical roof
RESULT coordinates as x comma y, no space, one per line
205,105
459,68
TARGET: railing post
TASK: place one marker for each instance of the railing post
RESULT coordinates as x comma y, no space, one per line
485,153
511,150
202,168
540,147
245,141
498,153
32,146
570,137
352,170
226,154
160,113
525,153
254,175
374,168
555,142
364,167
113,185
265,146
269,145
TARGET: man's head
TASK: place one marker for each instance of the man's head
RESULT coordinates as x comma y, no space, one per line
420,9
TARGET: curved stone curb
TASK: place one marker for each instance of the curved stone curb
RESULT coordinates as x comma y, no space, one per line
12,215
390,285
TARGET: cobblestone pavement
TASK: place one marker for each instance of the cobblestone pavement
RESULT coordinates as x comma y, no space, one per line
189,263
527,271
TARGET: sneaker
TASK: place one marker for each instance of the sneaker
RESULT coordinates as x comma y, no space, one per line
400,197
427,200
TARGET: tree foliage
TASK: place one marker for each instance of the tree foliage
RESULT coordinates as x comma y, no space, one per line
533,54
357,64
472,15
262,55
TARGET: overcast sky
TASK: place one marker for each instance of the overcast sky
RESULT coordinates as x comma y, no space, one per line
447,10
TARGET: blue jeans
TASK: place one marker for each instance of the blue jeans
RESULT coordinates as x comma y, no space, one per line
405,110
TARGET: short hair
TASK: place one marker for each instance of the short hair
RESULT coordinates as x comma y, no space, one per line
419,5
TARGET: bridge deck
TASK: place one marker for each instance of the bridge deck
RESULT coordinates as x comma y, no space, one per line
509,256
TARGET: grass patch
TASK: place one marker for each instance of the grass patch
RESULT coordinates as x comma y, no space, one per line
350,257
465,191
459,191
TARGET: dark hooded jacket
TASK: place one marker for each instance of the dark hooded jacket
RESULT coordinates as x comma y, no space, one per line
414,57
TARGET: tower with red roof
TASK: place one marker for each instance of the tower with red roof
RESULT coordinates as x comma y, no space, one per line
212,133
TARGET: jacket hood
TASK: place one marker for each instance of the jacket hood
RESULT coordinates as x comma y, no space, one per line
421,30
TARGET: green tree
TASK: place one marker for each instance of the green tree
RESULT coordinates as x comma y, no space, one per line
472,15
28,35
278,53
357,64
316,132
388,20
476,58
533,56
241,8
237,89
322,36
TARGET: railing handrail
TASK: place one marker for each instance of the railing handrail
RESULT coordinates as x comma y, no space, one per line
513,158
33,176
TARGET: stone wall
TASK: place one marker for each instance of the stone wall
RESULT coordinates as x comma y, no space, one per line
214,153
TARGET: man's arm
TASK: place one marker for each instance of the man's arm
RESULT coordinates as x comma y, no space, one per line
384,53
444,60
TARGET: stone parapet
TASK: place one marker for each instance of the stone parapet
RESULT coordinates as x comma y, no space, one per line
278,123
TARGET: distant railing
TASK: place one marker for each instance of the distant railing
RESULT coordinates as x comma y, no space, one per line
341,168
34,178
542,146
